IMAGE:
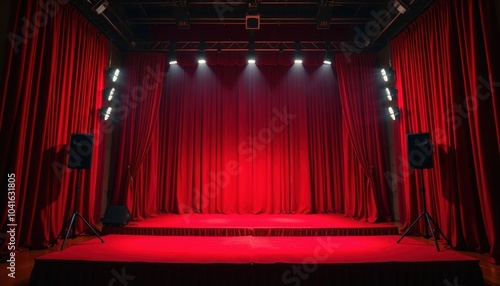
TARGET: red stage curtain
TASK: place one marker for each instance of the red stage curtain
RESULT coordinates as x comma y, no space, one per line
143,76
365,139
51,87
447,72
237,138
244,136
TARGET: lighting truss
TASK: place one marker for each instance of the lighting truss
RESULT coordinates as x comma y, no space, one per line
261,46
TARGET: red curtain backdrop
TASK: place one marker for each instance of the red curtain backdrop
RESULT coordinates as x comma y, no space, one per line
365,138
143,77
447,74
238,138
51,87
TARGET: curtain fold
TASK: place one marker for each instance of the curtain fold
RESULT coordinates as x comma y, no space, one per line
447,77
365,155
51,87
138,112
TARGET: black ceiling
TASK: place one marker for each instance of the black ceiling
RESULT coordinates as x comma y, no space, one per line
352,25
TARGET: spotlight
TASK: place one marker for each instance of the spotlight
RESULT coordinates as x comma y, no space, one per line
251,53
252,18
109,93
298,53
100,7
328,57
324,16
328,54
400,6
394,112
106,113
113,73
181,13
252,22
387,74
172,57
201,53
391,93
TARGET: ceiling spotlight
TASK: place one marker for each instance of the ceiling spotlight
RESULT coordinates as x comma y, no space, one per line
252,17
328,55
181,13
394,112
201,53
387,74
298,53
109,93
252,22
172,55
400,6
100,7
324,15
251,52
113,74
391,93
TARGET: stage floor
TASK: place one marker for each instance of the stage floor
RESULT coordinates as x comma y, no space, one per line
250,249
246,260
255,225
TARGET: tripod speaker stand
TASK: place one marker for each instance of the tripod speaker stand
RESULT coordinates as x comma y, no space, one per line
419,154
80,158
430,223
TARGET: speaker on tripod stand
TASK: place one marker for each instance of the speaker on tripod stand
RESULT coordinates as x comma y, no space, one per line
80,157
420,150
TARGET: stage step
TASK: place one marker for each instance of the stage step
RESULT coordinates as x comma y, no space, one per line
253,225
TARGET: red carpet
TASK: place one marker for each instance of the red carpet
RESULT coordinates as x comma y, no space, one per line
244,260
248,249
255,225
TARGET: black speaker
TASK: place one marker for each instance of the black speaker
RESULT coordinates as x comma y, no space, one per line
80,151
420,150
116,216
